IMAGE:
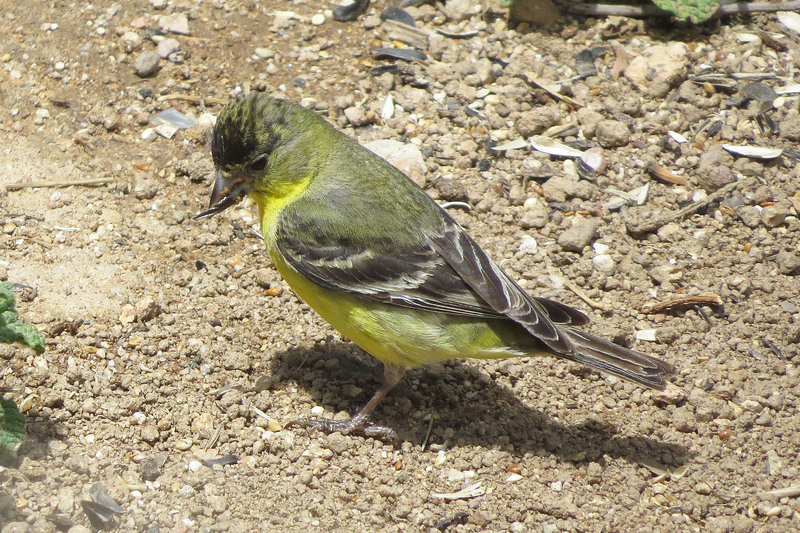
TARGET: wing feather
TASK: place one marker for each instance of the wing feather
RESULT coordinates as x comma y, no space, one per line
445,271
493,285
411,275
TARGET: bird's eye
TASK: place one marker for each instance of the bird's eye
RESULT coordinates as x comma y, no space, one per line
259,163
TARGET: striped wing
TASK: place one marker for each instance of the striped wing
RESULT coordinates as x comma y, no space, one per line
445,271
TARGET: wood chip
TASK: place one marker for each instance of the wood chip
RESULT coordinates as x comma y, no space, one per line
771,42
414,37
683,303
580,293
662,174
470,491
621,60
531,78
791,491
58,183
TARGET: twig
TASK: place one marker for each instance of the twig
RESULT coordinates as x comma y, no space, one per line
57,183
585,297
756,7
787,492
192,99
653,224
426,440
531,78
682,303
604,10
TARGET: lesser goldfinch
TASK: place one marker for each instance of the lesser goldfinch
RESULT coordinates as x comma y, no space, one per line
382,262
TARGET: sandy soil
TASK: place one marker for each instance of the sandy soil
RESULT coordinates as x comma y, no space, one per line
173,342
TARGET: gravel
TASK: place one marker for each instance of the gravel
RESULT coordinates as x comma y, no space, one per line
173,342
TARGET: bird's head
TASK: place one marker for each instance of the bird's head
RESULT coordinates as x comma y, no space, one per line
258,146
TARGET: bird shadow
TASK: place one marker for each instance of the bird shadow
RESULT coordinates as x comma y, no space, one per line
469,407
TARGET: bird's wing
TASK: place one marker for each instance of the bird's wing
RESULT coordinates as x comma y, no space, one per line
443,272
502,293
410,275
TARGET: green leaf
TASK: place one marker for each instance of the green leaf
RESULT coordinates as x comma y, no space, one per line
12,425
695,11
11,329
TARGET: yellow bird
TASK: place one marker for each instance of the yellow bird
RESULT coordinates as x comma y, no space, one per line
379,260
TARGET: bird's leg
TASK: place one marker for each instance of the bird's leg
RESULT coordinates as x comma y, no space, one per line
359,423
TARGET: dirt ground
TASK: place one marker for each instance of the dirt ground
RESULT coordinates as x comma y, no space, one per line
173,342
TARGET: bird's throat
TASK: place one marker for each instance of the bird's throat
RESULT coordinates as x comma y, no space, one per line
271,203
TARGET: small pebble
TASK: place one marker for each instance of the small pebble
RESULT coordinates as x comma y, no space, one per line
264,53
713,171
749,216
16,527
146,64
535,214
127,314
579,235
41,115
774,215
604,263
788,262
357,116
702,488
683,420
146,309
666,273
150,467
528,245
183,444
406,157
612,133
559,188
175,23
149,434
167,131
168,46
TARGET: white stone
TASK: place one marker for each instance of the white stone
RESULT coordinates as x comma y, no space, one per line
658,68
167,131
604,263
406,157
528,245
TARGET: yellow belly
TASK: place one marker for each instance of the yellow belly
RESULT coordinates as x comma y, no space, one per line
408,337
397,335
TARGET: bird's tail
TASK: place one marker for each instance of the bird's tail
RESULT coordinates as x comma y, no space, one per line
617,360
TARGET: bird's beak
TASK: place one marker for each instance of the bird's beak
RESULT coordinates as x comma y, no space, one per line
226,192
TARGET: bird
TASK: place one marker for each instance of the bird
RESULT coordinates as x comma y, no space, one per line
376,257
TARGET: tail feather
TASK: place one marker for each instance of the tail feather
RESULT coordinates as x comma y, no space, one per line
617,360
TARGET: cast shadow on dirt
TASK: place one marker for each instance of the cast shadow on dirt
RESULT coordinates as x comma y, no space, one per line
40,432
479,411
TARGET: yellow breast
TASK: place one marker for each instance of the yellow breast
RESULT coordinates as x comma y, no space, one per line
402,336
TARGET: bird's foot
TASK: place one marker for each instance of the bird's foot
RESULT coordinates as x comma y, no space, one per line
351,426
